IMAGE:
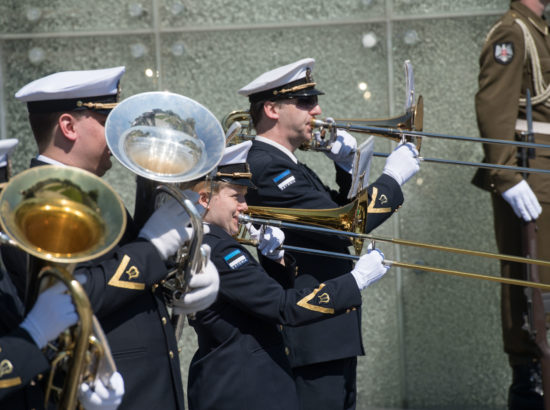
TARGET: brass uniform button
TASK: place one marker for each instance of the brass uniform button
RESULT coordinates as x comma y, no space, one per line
39,377
280,328
164,321
171,354
287,351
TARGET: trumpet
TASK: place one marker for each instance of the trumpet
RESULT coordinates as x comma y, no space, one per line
337,222
167,140
61,216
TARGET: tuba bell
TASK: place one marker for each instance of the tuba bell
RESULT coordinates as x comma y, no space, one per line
167,140
61,216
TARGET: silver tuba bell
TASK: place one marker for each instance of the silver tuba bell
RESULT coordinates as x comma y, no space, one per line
167,139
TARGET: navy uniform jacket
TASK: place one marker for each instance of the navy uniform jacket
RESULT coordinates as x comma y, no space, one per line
281,182
22,363
123,291
241,362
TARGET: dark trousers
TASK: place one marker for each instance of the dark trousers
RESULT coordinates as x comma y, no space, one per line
328,386
517,343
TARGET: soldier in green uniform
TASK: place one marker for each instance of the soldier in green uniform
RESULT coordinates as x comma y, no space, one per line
516,57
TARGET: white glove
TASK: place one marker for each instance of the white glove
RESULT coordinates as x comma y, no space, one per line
402,163
6,147
166,228
270,239
52,313
343,150
369,268
523,201
204,289
99,397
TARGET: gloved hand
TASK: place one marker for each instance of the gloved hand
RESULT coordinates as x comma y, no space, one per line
204,289
52,313
402,163
369,268
99,397
269,240
523,201
6,147
166,228
343,149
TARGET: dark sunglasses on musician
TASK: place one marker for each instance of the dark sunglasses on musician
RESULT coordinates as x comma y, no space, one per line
305,102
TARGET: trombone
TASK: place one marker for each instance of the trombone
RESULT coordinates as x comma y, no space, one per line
400,134
167,139
61,216
318,220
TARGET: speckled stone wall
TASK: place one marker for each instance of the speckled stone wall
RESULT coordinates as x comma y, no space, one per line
431,340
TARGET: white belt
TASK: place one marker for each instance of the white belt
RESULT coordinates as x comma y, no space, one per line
538,127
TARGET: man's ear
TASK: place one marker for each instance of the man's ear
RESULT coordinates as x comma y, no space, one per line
67,125
271,110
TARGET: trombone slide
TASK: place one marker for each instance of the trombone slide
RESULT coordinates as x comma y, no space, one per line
243,219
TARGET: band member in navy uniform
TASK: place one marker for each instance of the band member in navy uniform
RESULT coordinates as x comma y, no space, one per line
283,102
67,112
22,361
242,359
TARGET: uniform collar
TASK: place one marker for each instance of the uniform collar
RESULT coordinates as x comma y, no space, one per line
278,146
537,21
48,160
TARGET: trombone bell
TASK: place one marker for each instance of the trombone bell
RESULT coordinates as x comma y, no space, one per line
350,218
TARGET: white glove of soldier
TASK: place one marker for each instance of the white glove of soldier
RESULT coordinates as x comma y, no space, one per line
523,201
204,289
99,397
369,268
402,163
52,313
269,240
343,149
166,228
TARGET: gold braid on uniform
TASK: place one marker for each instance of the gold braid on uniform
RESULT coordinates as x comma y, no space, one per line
542,90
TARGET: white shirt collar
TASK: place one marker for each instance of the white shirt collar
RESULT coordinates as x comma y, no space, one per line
278,146
48,160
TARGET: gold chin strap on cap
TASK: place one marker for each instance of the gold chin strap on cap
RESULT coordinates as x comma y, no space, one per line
235,174
96,106
293,89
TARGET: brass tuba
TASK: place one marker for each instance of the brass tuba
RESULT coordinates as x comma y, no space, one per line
167,139
61,216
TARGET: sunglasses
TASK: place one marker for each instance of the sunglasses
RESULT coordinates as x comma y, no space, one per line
305,102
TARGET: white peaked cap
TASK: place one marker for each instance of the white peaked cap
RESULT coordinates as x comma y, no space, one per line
72,84
278,77
236,154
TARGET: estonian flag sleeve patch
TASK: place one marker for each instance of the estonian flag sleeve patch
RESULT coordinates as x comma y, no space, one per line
235,259
284,179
